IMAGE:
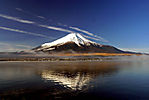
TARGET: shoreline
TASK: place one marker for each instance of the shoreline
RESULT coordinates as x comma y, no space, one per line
52,59
61,58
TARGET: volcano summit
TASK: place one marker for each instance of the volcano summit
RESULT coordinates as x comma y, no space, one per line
75,42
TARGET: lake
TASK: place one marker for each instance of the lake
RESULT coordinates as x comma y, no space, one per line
123,78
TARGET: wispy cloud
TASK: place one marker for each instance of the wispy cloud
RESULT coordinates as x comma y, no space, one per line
88,33
37,16
26,12
19,9
24,46
55,28
94,37
41,17
142,50
9,47
2,43
90,37
34,23
16,19
24,32
78,29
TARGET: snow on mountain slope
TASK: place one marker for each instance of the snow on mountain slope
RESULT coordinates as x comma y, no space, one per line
72,37
75,42
76,38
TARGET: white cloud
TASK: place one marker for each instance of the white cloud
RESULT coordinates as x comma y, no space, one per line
16,19
34,23
6,44
65,30
26,12
78,29
89,37
41,17
25,32
88,33
142,50
94,37
55,28
19,9
9,47
24,46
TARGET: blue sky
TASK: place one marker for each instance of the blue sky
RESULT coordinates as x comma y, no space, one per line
123,23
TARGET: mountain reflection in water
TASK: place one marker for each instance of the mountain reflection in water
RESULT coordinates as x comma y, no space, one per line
77,75
118,80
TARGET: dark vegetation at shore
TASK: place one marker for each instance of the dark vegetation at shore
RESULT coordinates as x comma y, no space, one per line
55,59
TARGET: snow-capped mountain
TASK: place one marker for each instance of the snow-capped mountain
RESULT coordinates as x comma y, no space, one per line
72,37
75,42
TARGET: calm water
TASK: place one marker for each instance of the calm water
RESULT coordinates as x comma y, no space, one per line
122,79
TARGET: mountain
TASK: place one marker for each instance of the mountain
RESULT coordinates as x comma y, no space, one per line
75,42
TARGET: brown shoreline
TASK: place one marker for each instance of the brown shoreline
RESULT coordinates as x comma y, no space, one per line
99,54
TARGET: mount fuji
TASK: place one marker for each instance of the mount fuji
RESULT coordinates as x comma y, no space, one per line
75,42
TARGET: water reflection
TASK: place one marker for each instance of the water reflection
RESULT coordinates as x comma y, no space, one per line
118,80
75,83
77,76
35,79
